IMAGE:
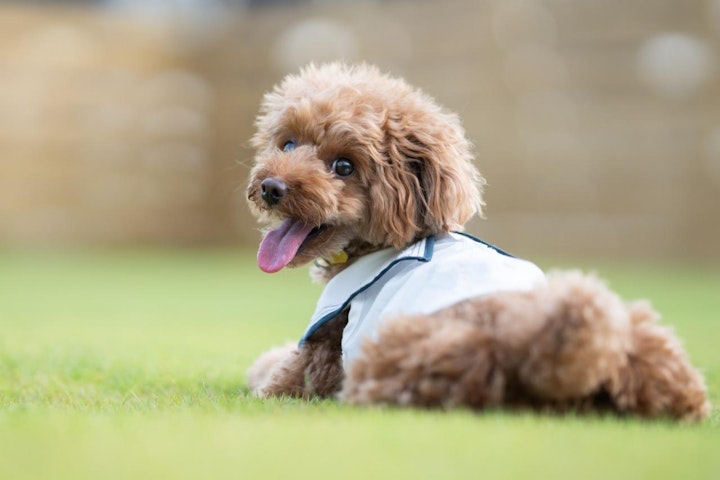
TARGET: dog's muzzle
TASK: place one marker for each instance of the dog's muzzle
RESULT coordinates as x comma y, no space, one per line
272,190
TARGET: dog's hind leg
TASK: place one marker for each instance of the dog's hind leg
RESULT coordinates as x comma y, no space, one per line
583,340
427,361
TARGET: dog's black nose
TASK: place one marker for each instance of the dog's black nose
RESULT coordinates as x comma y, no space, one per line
272,190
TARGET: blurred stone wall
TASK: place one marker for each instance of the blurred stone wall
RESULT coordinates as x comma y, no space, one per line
597,124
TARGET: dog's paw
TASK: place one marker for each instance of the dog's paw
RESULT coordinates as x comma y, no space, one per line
261,372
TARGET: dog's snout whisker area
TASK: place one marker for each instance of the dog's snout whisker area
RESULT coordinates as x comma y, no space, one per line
272,190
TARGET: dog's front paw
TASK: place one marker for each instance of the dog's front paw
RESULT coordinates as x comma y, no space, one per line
260,374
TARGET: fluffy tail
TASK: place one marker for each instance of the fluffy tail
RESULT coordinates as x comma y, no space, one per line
658,379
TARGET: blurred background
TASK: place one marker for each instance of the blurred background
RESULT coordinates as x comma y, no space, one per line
596,123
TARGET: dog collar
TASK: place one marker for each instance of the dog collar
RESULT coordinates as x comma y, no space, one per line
338,258
335,258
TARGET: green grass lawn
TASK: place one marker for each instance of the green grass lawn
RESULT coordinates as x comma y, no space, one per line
131,365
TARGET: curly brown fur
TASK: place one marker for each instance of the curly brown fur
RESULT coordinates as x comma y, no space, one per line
658,378
315,370
411,160
572,344
566,345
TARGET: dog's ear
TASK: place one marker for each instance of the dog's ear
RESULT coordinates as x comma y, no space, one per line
426,182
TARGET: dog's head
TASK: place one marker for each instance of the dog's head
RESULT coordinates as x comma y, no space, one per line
351,160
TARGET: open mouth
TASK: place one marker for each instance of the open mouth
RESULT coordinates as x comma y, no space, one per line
314,233
281,245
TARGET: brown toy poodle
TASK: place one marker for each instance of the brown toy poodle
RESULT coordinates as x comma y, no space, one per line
372,181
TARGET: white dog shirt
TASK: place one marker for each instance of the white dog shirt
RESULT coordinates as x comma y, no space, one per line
425,277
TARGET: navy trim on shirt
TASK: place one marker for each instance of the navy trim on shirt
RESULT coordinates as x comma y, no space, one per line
425,257
489,245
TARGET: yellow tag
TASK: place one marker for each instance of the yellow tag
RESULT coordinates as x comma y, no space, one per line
338,257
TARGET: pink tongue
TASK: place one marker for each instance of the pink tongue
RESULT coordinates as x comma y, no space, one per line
279,246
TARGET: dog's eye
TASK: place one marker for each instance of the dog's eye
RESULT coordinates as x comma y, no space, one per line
289,145
343,167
